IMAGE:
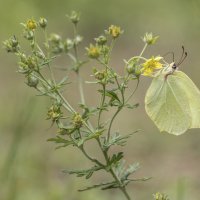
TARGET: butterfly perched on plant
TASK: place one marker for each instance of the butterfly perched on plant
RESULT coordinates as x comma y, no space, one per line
173,100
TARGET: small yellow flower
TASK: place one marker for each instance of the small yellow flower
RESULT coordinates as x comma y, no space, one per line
151,65
93,51
31,24
159,196
115,31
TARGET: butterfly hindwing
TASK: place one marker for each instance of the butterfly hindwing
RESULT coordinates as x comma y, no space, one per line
193,95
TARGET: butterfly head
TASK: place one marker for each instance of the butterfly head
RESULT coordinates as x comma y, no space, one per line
173,67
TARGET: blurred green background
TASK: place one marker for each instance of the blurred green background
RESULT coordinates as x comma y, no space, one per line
30,168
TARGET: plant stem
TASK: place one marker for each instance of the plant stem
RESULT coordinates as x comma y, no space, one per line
101,106
80,85
112,120
140,56
90,158
121,187
133,91
144,48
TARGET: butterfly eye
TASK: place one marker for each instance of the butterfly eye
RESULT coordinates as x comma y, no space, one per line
174,66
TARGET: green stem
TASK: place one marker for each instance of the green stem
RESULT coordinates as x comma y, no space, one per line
101,106
90,158
112,120
144,48
80,85
122,188
46,43
140,56
133,92
110,50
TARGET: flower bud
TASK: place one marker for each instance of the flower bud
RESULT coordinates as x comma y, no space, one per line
133,68
55,38
77,120
14,41
11,45
31,24
68,44
32,81
74,17
101,40
150,39
78,39
40,55
23,57
43,22
29,35
100,75
114,31
32,63
54,112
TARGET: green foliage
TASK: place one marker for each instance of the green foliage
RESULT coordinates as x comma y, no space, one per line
73,123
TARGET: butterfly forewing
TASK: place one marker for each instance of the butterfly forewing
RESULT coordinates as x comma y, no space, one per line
167,105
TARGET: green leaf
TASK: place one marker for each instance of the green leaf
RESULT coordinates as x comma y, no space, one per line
115,159
102,186
94,135
112,94
60,140
130,170
117,139
84,173
88,111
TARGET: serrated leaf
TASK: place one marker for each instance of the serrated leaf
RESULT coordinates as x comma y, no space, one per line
117,139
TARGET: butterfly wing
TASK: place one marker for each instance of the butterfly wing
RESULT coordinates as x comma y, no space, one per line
167,105
193,95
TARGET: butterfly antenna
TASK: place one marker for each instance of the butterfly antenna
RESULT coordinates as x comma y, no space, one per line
171,52
183,56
